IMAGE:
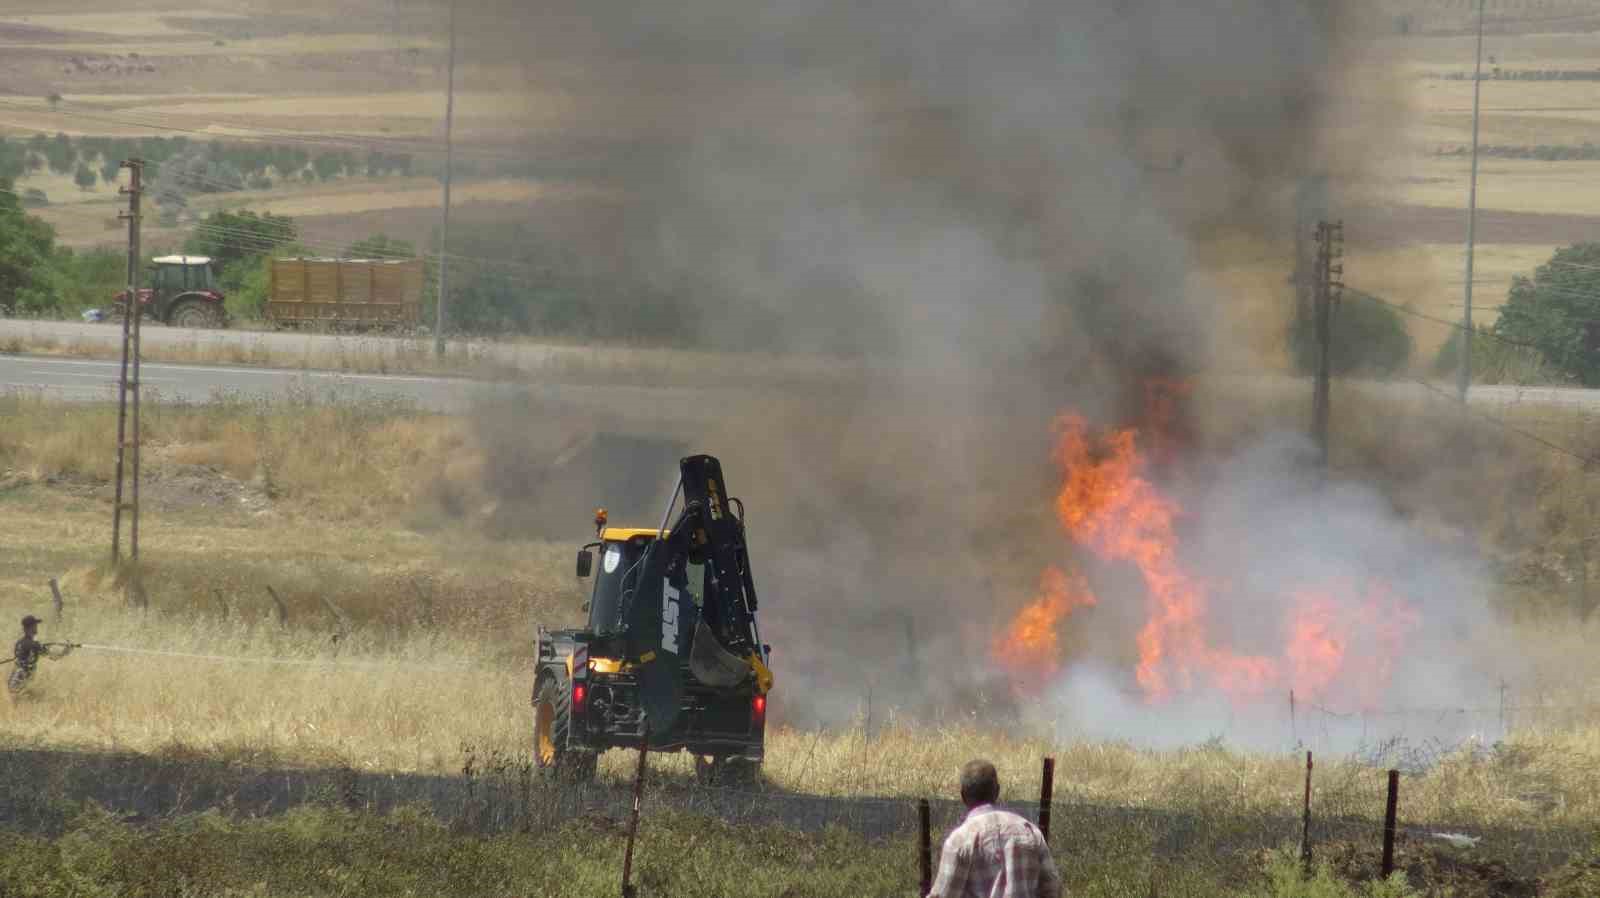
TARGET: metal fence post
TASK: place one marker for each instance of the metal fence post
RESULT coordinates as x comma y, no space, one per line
1047,789
925,845
1305,823
628,890
1389,823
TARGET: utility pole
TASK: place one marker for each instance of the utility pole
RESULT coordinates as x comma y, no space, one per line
449,159
1310,206
128,386
1326,287
1464,368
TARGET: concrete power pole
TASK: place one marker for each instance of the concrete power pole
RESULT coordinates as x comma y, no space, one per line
449,160
1464,368
132,312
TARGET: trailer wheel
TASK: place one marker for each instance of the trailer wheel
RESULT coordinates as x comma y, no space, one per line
551,719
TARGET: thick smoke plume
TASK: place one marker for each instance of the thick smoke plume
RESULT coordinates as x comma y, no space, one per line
1006,209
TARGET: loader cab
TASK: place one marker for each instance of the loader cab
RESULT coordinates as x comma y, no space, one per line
613,562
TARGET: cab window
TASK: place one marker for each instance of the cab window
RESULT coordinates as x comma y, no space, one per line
697,583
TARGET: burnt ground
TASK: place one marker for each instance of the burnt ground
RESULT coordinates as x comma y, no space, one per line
42,790
170,488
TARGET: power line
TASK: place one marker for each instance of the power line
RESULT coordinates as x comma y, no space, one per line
1575,294
1406,310
1578,265
1498,422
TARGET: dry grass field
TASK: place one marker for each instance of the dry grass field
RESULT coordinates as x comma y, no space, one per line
353,514
362,518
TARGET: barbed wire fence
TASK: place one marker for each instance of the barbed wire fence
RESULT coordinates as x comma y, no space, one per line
500,793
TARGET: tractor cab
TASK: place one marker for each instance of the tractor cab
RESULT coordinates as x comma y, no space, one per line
181,274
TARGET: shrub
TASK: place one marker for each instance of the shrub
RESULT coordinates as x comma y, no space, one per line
1368,337
1495,361
1286,879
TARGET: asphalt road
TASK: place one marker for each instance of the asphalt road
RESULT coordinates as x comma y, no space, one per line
319,350
97,380
665,408
553,373
160,336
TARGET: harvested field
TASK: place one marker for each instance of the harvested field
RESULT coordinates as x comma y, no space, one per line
1507,185
1444,224
116,24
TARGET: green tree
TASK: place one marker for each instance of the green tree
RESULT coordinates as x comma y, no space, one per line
328,165
87,278
84,177
61,154
13,160
246,283
539,283
1558,311
1367,337
233,237
26,247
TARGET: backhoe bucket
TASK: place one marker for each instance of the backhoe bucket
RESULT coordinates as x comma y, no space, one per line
712,664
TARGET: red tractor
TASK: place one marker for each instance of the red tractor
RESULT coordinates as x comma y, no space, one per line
182,293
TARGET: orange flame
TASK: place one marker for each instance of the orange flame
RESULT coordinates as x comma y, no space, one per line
1108,504
1030,649
1347,648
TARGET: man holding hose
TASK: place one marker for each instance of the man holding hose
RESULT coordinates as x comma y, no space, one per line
26,654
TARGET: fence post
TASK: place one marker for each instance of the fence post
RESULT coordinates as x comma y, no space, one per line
1047,791
1389,823
925,845
638,799
55,597
1305,822
1294,723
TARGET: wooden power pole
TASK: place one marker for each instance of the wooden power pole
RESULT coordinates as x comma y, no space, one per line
1325,292
128,380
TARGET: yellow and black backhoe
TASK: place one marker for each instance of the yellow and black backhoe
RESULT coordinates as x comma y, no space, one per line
671,656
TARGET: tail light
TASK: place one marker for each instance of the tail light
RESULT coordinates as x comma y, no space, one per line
758,712
580,698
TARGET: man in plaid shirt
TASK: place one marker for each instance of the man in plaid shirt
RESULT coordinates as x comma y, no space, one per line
993,853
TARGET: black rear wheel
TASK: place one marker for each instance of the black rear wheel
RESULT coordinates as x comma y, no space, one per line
194,313
720,770
552,716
